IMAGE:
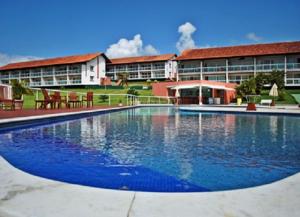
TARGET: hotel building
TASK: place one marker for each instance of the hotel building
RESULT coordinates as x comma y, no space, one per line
85,69
143,67
224,64
237,63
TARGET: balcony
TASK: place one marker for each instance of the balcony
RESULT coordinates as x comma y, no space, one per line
214,69
25,75
14,76
62,72
75,81
35,74
189,70
293,66
74,71
293,81
270,67
35,83
48,74
4,77
60,82
49,82
240,68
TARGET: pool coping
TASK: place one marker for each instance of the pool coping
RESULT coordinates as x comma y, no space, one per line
23,194
203,108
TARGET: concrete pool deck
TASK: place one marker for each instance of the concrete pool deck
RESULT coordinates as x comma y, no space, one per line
22,194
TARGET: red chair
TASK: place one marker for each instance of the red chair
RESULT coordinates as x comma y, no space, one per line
7,104
45,102
74,100
88,99
59,100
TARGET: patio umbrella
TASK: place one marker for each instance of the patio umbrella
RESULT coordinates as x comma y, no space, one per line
274,93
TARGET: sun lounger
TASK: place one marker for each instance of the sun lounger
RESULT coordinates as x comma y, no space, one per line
266,102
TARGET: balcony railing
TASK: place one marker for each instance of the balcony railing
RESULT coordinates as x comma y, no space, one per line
35,74
45,74
75,81
189,70
49,82
242,68
4,76
62,72
270,67
62,82
292,66
293,81
25,75
75,71
14,76
235,68
35,83
214,69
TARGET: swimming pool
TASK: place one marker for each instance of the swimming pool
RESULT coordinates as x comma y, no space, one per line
159,149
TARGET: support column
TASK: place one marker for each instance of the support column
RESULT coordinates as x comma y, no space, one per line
254,64
201,70
200,95
285,69
226,80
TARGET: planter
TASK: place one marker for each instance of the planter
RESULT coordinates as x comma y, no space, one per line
18,104
273,102
120,104
239,101
251,106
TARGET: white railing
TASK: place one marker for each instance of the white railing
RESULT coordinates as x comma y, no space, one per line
241,68
270,67
115,99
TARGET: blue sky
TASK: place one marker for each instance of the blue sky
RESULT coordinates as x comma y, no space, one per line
36,28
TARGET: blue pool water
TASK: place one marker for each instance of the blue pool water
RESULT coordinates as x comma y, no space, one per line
159,149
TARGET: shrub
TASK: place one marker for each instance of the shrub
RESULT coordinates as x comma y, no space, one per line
103,98
133,92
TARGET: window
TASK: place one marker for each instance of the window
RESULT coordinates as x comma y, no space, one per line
91,68
91,78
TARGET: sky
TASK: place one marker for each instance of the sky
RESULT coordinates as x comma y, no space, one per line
33,29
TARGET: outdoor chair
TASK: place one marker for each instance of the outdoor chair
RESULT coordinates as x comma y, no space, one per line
7,104
59,100
45,102
88,99
74,100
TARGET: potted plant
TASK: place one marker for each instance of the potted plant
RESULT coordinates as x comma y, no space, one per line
247,89
19,89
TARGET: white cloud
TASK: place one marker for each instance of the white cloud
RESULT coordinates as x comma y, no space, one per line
186,40
5,58
131,47
253,37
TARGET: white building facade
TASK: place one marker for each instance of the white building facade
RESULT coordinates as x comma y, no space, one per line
239,63
158,67
62,71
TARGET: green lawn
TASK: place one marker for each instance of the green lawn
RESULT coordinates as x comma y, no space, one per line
30,100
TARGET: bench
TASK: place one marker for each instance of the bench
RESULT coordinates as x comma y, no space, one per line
266,101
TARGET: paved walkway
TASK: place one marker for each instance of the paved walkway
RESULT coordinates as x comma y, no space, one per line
33,112
25,195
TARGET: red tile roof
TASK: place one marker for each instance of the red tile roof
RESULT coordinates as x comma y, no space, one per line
52,61
142,59
241,51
